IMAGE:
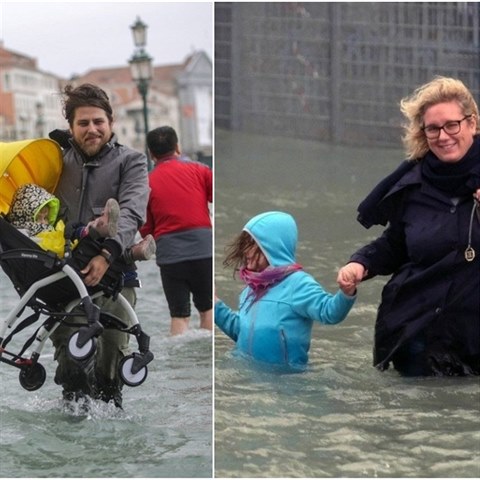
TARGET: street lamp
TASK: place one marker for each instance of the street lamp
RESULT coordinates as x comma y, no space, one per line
142,73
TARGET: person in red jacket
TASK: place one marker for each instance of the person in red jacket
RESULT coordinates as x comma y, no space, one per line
178,217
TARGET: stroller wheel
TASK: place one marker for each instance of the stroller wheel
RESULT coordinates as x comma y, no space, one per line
81,353
32,377
126,374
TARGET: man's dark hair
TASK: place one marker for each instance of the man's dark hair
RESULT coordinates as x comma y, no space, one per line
85,95
162,140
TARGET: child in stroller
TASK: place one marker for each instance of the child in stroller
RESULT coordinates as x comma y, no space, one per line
52,286
34,212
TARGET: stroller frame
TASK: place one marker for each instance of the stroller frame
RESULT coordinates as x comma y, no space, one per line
81,345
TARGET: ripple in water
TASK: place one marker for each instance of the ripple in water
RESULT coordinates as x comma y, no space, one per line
165,429
342,417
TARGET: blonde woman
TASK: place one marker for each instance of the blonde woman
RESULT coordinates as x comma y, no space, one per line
428,321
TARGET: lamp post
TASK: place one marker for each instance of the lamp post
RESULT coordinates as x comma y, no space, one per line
142,74
40,122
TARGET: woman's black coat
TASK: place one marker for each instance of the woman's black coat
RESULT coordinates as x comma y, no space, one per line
433,289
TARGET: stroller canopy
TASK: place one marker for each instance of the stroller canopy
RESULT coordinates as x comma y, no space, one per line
36,161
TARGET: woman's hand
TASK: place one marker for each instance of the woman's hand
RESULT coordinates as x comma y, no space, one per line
350,276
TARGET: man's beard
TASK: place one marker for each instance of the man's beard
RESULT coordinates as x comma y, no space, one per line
91,149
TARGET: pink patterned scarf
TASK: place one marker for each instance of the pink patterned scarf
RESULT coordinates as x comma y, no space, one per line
260,282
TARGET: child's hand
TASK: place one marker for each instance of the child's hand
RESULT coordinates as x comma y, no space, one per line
349,289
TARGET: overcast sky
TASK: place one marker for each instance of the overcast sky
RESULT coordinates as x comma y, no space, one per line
71,37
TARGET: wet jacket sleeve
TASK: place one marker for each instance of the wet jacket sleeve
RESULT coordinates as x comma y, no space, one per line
227,320
310,300
384,255
132,197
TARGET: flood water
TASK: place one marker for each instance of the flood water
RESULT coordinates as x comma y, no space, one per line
341,418
164,430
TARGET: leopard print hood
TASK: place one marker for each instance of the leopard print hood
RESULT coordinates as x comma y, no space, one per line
27,201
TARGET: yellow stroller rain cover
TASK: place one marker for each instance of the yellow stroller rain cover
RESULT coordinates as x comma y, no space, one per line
32,161
52,286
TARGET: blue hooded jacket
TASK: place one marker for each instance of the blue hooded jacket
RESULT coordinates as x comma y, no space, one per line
277,328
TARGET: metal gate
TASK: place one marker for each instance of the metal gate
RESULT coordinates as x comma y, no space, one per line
336,72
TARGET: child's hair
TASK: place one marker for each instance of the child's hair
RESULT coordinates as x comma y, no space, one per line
237,250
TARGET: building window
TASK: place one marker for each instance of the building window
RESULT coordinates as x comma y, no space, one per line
7,82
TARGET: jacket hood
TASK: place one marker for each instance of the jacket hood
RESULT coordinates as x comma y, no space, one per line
28,200
276,234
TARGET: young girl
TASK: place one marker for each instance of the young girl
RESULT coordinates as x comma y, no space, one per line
277,308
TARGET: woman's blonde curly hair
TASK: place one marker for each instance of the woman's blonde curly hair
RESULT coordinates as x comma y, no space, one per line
439,90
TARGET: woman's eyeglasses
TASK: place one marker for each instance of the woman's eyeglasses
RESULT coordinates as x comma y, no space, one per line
452,127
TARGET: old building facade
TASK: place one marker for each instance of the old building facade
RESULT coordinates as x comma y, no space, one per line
29,99
179,95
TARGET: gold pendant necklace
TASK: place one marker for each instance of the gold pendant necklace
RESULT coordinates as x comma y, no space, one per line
470,252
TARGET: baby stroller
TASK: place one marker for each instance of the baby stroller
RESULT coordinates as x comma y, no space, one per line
52,286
